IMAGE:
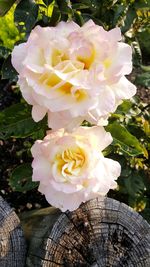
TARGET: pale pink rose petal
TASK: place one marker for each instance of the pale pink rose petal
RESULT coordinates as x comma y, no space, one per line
36,148
35,59
63,103
62,119
74,123
115,34
90,29
124,89
112,167
26,91
71,71
17,57
51,134
58,199
38,112
124,58
41,170
106,102
95,135
88,24
44,93
40,35
107,169
71,168
65,29
58,120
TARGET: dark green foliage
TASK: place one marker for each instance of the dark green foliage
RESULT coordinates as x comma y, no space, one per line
7,71
144,41
127,142
4,52
25,15
131,128
134,187
47,2
129,18
16,121
129,125
143,79
5,5
20,179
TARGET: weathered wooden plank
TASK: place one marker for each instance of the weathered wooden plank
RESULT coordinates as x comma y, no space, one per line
101,232
12,242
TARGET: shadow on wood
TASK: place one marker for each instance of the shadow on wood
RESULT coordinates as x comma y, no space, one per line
101,232
12,243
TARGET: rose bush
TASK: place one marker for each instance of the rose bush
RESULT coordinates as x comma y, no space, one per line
71,167
73,73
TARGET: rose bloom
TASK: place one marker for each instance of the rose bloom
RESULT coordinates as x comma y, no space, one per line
73,73
71,167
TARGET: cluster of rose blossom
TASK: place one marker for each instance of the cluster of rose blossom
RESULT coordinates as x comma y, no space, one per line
72,74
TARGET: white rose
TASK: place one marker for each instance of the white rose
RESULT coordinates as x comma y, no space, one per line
71,167
73,73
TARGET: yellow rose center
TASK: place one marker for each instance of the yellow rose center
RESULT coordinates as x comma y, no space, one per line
53,81
57,57
80,95
70,163
87,60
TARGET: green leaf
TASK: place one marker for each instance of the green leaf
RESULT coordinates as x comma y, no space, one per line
145,68
119,12
124,107
8,71
47,2
16,121
5,5
125,140
87,16
142,4
143,79
14,113
25,15
64,7
84,4
134,184
4,52
78,18
80,6
21,178
131,15
56,16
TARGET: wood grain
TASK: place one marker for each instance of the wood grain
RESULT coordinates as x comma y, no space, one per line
101,232
12,242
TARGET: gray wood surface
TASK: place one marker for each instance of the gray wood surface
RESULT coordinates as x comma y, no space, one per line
103,233
12,242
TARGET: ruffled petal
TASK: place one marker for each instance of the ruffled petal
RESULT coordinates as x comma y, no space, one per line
38,113
17,57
